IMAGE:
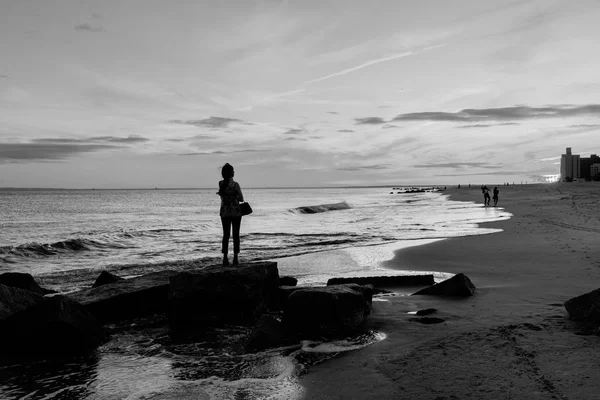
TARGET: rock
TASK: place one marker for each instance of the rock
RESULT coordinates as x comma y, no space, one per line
105,278
426,311
14,300
458,285
268,332
585,307
287,281
130,298
222,295
283,292
330,311
21,281
55,326
377,281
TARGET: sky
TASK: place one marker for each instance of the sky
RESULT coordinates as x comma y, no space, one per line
148,93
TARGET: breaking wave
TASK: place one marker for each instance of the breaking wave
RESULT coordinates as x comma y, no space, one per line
321,208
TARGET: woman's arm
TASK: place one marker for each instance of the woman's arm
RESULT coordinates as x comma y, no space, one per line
238,191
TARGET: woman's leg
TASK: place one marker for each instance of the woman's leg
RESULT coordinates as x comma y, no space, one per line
226,222
236,223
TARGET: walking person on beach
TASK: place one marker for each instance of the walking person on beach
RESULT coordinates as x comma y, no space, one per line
486,195
495,197
231,213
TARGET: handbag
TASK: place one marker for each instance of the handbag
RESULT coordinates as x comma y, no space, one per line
246,209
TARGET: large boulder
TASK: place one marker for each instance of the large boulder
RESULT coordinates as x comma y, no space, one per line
331,311
22,281
268,332
128,298
105,278
55,326
222,295
458,285
287,281
14,300
585,307
385,281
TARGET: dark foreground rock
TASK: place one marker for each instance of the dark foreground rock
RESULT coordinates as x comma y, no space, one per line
105,278
287,281
585,307
458,285
386,281
14,300
222,295
22,281
331,311
268,332
55,326
128,298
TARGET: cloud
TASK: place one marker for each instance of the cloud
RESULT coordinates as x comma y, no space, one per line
211,122
506,113
89,28
47,151
110,139
585,126
389,126
294,132
370,120
295,138
486,125
363,167
206,153
332,112
457,165
345,130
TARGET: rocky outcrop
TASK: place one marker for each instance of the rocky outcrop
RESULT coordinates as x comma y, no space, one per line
458,285
105,278
14,300
128,298
386,281
585,307
22,281
331,311
222,295
54,326
268,332
287,281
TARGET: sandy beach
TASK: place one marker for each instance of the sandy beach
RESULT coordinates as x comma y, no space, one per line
513,339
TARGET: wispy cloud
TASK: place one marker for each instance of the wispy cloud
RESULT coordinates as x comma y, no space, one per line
89,28
364,167
457,165
370,120
110,139
506,113
485,125
211,122
345,130
23,152
294,132
207,153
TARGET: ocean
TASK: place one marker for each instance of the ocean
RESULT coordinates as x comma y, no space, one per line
64,238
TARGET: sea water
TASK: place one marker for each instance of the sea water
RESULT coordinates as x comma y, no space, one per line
66,237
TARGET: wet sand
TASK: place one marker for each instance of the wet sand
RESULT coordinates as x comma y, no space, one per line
513,339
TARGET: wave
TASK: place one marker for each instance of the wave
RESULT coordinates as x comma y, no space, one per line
50,249
321,208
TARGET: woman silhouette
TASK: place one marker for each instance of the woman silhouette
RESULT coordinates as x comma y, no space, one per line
231,213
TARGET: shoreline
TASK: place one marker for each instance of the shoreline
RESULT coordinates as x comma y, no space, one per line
513,338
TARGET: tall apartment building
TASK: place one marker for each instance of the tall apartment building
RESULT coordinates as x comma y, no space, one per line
570,168
595,171
586,164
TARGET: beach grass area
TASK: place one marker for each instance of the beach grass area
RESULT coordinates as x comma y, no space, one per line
513,339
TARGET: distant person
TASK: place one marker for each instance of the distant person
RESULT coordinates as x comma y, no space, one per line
231,213
486,195
495,197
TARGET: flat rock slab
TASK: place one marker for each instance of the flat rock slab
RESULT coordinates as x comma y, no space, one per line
222,295
459,285
585,307
377,281
330,311
128,298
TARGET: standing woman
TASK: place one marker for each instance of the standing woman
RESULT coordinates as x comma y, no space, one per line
231,213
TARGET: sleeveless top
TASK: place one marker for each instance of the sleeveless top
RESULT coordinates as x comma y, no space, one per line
230,199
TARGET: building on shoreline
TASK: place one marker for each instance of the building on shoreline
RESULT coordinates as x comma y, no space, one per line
570,167
586,166
595,172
